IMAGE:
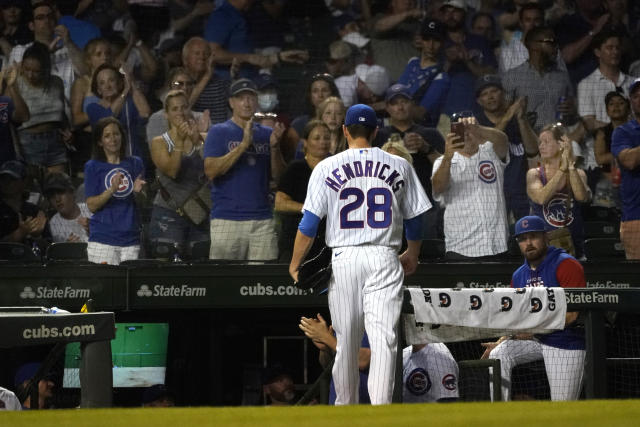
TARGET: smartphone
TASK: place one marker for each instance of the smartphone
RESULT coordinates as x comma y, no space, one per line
458,129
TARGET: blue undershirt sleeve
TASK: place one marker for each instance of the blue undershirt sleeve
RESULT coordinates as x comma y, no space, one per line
309,224
413,228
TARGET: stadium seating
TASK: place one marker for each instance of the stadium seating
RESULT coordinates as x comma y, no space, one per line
603,248
17,252
67,251
600,229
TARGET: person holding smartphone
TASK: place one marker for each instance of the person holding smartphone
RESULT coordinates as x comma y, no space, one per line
468,181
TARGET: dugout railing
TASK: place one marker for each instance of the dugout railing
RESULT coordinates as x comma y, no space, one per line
173,291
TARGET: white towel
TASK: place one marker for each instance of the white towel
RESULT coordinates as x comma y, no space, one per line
447,315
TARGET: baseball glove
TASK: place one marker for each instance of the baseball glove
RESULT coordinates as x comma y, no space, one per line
314,273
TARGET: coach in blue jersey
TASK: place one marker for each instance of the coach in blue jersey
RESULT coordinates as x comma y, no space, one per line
241,157
365,193
563,351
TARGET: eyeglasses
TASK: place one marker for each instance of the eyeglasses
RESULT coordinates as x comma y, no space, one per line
178,83
549,41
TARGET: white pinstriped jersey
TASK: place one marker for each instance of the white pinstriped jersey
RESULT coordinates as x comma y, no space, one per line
475,218
365,195
429,374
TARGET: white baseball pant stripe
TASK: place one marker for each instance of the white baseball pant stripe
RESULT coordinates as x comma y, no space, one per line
365,292
565,368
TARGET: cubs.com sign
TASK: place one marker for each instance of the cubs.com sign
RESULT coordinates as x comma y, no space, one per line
445,315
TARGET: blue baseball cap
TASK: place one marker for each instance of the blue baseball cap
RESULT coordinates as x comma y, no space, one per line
529,224
242,85
264,81
361,114
397,89
26,372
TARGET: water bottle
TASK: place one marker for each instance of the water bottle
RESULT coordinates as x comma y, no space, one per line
616,175
560,116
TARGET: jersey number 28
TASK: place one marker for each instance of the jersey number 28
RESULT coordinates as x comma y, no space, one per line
382,205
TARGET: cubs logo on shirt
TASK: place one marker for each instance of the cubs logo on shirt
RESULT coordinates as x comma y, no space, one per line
487,171
557,211
450,382
126,186
418,382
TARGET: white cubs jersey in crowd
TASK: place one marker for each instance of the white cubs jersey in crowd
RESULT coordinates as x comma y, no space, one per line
365,193
429,374
475,218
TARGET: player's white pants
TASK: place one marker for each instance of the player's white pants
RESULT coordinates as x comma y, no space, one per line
112,255
365,291
565,368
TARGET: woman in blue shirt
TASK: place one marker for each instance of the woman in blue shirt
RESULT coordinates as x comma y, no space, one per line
111,178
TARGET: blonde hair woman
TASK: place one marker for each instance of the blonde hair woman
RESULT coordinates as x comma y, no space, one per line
331,111
556,185
397,148
177,156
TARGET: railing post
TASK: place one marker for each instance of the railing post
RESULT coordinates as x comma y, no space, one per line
595,363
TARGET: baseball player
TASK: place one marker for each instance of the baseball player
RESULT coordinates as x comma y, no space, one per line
430,374
563,351
365,194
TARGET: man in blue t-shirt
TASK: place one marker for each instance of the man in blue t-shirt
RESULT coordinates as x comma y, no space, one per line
563,351
625,146
468,56
241,157
228,33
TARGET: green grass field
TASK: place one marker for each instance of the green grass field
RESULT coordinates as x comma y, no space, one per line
516,414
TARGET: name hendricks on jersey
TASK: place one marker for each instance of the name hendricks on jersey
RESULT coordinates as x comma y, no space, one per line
340,176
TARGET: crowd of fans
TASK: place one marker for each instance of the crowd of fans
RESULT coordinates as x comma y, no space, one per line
128,122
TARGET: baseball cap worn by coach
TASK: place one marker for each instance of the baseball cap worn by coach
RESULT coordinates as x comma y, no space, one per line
529,224
361,114
242,85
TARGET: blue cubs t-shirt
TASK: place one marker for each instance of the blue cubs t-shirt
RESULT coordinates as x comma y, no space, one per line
116,223
243,192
